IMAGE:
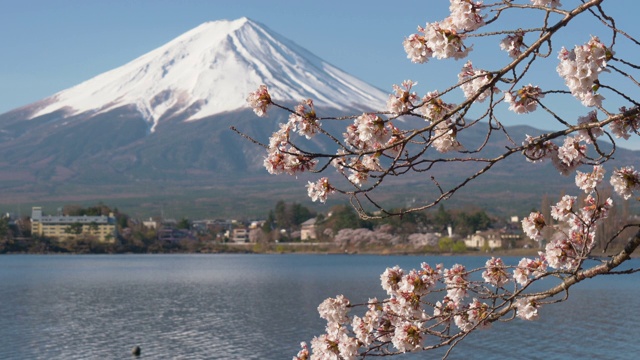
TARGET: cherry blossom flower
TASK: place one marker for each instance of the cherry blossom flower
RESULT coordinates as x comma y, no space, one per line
282,157
580,68
434,108
445,41
358,172
416,47
549,3
287,160
395,142
472,80
391,279
303,354
588,135
623,127
538,151
533,225
408,336
513,44
444,138
319,190
475,315
563,210
368,132
418,282
478,313
588,181
625,181
402,100
335,344
524,100
445,310
363,327
438,39
528,267
495,272
527,309
304,119
335,309
465,14
561,254
456,280
570,155
259,100
592,212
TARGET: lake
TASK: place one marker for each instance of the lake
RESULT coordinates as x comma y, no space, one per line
262,306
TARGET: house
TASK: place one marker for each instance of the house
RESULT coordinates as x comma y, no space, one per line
240,235
150,224
64,227
308,230
484,239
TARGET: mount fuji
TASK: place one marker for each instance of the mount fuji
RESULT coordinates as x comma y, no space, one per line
209,70
159,125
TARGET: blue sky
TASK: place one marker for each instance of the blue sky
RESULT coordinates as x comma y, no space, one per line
48,46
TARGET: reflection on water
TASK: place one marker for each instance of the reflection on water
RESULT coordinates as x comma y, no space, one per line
261,307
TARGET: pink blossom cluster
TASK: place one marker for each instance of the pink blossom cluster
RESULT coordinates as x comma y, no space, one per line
445,39
303,354
527,309
570,155
475,315
524,100
260,100
592,132
368,132
537,151
623,128
495,272
336,342
580,68
457,281
513,44
403,320
319,190
574,235
533,224
304,119
370,136
282,157
528,268
465,14
549,3
587,182
625,181
473,80
444,138
434,108
403,99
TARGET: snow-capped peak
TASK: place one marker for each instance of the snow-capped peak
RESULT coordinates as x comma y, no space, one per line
210,70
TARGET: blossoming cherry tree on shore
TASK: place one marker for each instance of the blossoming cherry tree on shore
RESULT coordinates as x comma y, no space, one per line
433,306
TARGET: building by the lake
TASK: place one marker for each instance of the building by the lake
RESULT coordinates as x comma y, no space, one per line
63,227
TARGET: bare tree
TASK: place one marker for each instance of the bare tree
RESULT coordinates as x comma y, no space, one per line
377,147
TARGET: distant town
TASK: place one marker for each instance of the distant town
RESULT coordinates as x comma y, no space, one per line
288,227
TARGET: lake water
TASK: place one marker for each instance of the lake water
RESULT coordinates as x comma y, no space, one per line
261,307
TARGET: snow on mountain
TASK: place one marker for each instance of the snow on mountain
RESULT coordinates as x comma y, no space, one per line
210,70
